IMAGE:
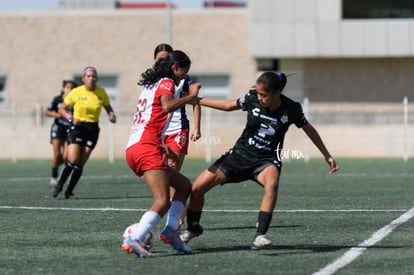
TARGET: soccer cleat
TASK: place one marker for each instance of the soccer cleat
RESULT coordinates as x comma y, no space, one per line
188,234
56,191
53,181
261,242
125,247
71,196
171,236
133,246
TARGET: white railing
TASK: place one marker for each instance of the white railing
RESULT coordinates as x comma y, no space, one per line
348,130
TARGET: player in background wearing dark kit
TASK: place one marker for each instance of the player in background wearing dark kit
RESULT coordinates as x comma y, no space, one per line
255,154
58,131
87,101
146,154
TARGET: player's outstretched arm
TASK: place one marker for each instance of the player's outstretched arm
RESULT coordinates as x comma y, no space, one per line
170,104
219,104
196,133
317,140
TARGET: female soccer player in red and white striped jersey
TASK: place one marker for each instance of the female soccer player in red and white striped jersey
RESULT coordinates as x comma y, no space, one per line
145,153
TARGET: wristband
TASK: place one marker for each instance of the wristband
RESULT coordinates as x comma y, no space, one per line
112,114
69,117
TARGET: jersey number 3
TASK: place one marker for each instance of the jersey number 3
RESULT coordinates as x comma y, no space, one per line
266,130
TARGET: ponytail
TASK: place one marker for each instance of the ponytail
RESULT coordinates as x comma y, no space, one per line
273,82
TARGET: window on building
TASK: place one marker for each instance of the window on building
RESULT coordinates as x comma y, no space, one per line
374,9
3,93
213,86
109,83
267,64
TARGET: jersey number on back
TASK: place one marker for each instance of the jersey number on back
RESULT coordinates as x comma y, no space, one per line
141,107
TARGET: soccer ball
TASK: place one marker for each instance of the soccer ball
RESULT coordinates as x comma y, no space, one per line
145,241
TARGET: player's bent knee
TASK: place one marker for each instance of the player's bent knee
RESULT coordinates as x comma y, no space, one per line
197,192
161,206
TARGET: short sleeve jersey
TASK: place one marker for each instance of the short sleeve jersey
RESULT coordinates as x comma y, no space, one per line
265,130
179,120
149,119
54,106
86,104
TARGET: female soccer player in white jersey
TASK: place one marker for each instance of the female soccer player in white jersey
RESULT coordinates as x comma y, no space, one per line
177,133
255,154
176,138
145,153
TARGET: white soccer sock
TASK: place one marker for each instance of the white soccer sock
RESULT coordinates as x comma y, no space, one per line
148,221
174,214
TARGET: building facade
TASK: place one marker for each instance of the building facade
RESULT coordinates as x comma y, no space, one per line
355,72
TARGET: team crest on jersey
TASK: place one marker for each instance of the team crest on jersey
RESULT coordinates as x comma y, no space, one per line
284,118
83,99
168,85
242,100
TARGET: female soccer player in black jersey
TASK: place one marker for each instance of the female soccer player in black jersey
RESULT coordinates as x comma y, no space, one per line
58,131
255,154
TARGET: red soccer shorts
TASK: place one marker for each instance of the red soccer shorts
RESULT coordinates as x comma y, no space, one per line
178,142
142,157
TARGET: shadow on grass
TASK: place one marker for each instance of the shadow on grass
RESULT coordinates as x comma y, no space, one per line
302,249
250,227
286,249
277,249
107,197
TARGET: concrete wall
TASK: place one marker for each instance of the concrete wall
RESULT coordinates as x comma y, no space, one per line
314,28
358,79
39,50
332,59
355,102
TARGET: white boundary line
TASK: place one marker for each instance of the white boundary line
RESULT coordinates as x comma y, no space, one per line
374,175
356,251
331,268
26,179
204,210
133,178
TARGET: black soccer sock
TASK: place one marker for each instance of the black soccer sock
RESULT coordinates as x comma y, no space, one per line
65,174
74,179
54,172
263,222
193,218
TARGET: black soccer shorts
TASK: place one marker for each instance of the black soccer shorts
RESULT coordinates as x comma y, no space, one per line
237,168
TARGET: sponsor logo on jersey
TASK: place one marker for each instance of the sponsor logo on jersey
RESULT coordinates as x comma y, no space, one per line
284,118
167,85
256,111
